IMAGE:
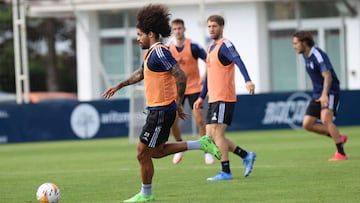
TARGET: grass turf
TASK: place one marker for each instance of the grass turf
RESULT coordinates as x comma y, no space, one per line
291,166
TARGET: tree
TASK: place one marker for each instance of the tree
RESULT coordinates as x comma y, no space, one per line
7,75
49,68
53,31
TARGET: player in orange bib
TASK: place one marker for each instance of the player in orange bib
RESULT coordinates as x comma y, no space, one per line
220,84
187,52
165,84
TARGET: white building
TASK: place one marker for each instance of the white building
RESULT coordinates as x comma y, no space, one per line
107,50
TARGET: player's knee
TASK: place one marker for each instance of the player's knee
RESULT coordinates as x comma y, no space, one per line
142,156
326,122
307,126
139,156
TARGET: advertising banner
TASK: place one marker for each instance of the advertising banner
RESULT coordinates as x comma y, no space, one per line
68,120
63,120
286,110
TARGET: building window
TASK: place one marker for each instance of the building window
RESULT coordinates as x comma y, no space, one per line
321,9
111,19
112,54
286,10
137,55
284,75
119,49
132,18
333,50
281,10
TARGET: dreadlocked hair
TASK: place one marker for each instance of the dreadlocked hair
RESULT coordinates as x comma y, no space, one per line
154,18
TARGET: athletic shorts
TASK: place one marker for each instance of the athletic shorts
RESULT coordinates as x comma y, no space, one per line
157,127
191,99
220,112
314,107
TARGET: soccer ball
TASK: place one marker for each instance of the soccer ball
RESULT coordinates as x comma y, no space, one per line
48,193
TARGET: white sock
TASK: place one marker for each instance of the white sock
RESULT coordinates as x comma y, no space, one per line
193,145
146,189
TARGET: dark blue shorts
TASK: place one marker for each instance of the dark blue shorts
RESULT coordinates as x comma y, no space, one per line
220,112
191,99
314,107
157,127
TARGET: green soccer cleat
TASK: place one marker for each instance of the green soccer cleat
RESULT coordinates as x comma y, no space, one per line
209,146
141,198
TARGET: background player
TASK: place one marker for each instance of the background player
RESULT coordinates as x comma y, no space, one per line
325,97
187,53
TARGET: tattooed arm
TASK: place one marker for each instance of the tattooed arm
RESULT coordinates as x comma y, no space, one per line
180,78
181,86
135,77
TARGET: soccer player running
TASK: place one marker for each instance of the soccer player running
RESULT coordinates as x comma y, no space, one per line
187,53
325,97
220,84
165,84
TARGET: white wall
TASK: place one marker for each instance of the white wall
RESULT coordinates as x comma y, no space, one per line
87,50
353,50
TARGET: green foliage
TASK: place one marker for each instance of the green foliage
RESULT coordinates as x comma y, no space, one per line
66,74
291,167
5,18
7,71
7,78
36,33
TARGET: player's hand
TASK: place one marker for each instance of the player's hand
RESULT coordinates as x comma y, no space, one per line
110,92
198,103
324,101
250,86
181,113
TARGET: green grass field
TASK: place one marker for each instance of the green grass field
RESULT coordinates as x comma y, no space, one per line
291,166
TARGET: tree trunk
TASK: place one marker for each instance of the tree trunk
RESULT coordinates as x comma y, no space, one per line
51,59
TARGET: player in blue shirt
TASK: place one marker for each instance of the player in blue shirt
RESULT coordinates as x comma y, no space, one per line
325,97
